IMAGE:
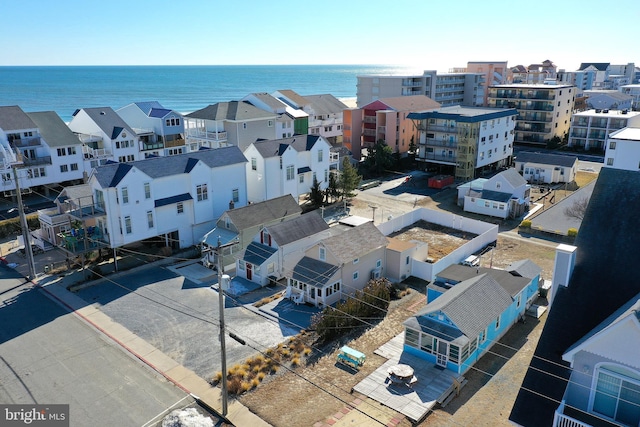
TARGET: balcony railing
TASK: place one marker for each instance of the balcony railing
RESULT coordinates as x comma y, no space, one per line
152,145
369,119
88,211
30,141
513,94
334,157
440,158
440,143
95,153
214,136
562,420
40,160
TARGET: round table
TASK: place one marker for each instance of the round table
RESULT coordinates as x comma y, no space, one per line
401,372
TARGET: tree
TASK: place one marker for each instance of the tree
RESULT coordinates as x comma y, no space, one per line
349,179
577,209
379,157
332,191
316,195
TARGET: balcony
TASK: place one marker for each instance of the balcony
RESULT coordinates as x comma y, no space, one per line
30,141
519,94
440,143
449,129
440,158
526,127
89,211
52,217
40,160
86,138
202,134
602,124
174,143
560,419
95,153
151,146
369,132
334,157
81,240
369,119
581,122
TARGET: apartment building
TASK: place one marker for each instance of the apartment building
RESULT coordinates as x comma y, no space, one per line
463,141
534,73
446,89
544,111
632,90
623,149
495,73
385,119
590,129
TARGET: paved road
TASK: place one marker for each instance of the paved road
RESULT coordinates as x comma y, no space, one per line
48,356
180,318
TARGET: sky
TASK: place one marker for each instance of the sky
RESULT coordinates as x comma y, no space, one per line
422,34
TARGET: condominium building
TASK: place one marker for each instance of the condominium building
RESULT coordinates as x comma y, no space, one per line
495,73
544,111
633,91
463,141
446,89
623,149
385,119
590,129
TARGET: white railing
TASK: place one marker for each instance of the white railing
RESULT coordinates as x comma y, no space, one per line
561,420
91,153
199,133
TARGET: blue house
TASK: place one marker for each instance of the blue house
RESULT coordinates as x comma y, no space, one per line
467,310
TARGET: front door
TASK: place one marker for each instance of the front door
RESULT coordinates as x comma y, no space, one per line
249,273
441,356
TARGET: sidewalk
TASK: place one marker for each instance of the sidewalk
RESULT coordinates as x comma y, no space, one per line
185,379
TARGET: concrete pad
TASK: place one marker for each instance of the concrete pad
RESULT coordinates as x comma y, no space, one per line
180,373
140,347
161,361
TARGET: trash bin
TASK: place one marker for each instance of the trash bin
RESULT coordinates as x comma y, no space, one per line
46,269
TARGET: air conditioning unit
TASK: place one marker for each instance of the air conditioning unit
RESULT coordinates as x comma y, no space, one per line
376,273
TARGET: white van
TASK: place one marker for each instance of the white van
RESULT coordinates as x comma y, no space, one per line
472,261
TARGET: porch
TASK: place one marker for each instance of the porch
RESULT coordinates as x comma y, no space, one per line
434,385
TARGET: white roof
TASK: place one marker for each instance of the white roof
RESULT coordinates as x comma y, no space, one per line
632,134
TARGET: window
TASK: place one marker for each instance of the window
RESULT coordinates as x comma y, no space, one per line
202,193
426,343
612,145
180,208
617,395
355,275
411,337
379,263
74,166
326,175
320,155
71,150
301,178
125,195
357,260
147,190
244,126
127,224
497,323
407,261
609,162
61,152
498,185
290,172
483,336
65,168
270,123
241,264
235,195
519,301
322,254
254,164
454,353
150,219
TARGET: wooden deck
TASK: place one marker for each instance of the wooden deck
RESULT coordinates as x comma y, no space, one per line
433,386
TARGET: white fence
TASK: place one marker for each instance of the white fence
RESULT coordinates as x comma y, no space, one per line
486,233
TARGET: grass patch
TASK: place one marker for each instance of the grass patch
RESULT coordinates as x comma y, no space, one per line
584,178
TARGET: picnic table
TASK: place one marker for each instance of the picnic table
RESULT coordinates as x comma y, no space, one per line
352,357
402,374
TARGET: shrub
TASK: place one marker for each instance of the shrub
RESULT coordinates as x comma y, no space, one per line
307,351
217,377
261,376
255,382
234,385
572,232
245,386
295,361
525,224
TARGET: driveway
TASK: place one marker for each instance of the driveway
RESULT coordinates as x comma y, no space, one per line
180,317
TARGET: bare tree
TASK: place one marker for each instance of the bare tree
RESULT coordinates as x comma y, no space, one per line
577,208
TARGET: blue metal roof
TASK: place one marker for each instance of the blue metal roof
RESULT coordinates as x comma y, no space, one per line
172,200
257,253
159,112
225,235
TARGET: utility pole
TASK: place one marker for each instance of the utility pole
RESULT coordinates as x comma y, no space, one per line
223,282
25,226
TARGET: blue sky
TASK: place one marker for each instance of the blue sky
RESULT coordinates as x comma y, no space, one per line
425,34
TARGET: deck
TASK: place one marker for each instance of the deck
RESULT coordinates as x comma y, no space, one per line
433,386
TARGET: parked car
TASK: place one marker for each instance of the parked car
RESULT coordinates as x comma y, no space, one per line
34,249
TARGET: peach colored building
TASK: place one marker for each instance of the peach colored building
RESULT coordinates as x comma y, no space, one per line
495,73
384,119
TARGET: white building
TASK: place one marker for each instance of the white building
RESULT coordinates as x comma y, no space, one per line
545,168
105,136
176,198
287,166
632,90
48,151
228,123
161,130
623,149
590,129
464,140
288,118
505,195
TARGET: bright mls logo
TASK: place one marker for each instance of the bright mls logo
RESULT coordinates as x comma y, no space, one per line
34,415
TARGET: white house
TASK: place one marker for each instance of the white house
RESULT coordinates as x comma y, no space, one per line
177,198
545,168
105,136
289,120
505,195
287,166
161,130
623,149
275,248
50,153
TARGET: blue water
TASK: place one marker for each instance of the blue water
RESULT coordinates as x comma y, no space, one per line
64,89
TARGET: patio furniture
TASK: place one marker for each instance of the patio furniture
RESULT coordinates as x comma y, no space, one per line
351,357
402,374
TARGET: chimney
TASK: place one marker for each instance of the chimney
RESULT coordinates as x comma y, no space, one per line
562,268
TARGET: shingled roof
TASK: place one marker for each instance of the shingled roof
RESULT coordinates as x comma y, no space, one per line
604,279
13,118
55,132
232,110
546,159
355,242
111,174
297,228
264,212
276,147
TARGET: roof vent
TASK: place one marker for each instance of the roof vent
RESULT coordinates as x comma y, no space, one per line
605,111
102,113
598,111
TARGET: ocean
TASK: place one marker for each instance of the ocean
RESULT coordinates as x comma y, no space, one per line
64,89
